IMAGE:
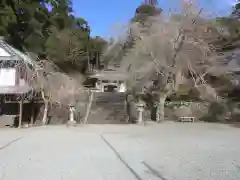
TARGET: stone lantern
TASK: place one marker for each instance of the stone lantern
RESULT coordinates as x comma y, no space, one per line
71,115
140,109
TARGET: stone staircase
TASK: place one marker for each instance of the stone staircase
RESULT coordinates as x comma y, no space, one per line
107,108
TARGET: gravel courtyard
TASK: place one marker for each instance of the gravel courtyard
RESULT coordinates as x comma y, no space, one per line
168,151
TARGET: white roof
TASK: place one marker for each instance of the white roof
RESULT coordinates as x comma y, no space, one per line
110,75
8,52
3,52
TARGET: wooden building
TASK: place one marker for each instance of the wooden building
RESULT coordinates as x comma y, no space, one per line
14,87
110,81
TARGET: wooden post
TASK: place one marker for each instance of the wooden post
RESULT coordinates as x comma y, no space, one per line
1,103
32,113
102,86
17,78
20,114
88,54
88,61
97,60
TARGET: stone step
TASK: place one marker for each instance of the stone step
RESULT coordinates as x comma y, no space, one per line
107,108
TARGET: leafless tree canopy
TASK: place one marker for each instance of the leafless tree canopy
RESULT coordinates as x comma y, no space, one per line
172,48
173,51
43,76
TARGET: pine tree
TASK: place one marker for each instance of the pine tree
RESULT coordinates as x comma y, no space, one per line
236,11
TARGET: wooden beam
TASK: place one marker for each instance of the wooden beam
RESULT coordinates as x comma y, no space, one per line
10,102
20,114
97,60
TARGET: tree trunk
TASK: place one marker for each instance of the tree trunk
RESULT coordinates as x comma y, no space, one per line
178,80
89,107
126,110
45,113
140,115
160,108
132,115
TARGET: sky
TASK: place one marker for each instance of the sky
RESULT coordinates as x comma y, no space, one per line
105,15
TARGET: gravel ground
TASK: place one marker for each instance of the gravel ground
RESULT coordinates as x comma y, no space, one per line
168,151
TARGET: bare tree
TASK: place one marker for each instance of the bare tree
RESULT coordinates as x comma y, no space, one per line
171,50
55,87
